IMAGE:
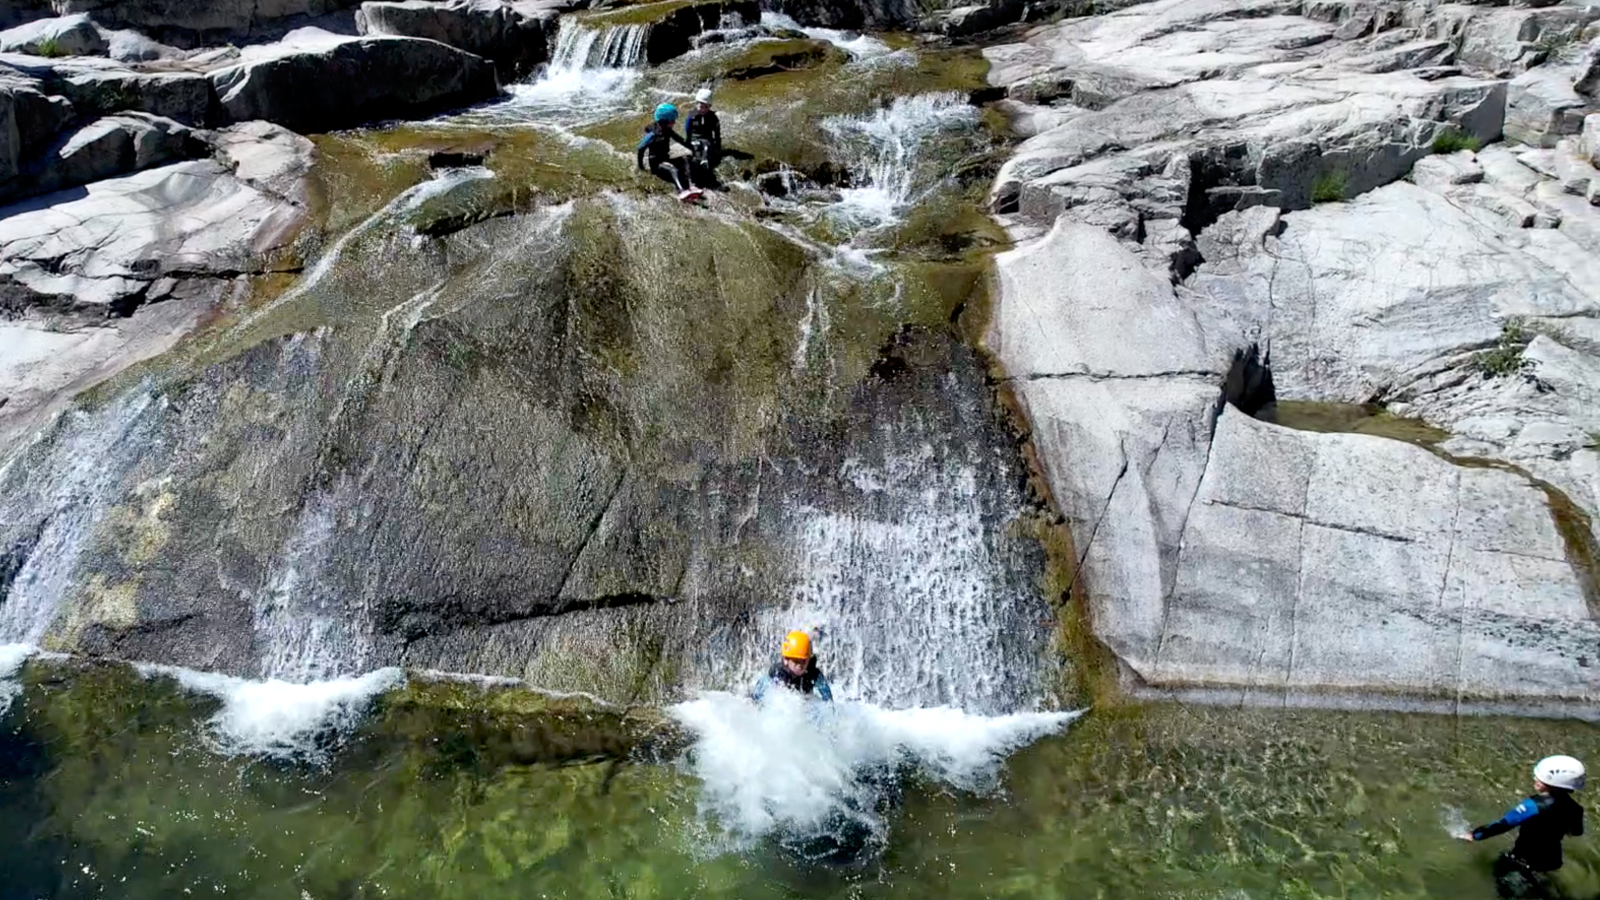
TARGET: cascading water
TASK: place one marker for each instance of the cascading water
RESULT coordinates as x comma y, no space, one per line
885,151
588,78
934,648
76,478
859,46
579,47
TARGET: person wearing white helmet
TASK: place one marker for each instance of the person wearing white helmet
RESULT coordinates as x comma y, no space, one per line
704,131
1542,820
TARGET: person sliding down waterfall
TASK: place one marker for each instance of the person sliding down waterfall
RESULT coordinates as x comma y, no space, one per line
704,131
796,669
1543,819
657,144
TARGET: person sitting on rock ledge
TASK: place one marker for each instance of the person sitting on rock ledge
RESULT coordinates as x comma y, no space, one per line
796,669
1543,819
704,131
657,143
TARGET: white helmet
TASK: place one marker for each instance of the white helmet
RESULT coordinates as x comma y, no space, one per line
703,95
1560,772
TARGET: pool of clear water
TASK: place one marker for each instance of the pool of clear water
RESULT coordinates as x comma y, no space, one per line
114,785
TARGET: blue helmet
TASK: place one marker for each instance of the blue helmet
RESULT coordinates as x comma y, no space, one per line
666,112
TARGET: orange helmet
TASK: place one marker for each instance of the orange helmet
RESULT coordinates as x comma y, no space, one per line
796,645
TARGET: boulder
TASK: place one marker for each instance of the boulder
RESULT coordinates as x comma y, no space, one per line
379,77
1573,172
1457,168
514,36
1307,559
106,249
854,14
29,123
126,45
1591,139
186,24
62,36
1588,77
187,97
965,21
1508,41
1542,107
116,145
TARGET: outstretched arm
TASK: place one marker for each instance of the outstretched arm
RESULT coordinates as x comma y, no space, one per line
759,690
1515,816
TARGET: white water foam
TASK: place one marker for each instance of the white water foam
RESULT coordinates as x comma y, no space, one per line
859,46
12,656
883,149
792,768
278,719
1454,820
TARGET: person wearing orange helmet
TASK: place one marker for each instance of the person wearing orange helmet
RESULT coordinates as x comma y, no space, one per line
795,669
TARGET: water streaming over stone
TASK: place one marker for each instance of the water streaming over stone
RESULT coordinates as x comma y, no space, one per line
53,496
884,149
580,46
892,536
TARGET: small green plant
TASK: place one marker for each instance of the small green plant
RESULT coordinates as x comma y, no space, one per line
1330,187
1505,358
49,47
1450,141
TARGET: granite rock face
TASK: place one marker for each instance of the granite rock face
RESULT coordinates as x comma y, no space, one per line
1208,177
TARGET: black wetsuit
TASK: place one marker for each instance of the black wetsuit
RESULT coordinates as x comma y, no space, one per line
657,144
705,128
1542,821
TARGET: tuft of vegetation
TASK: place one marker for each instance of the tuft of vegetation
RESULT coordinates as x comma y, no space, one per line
1451,140
1505,358
49,47
1330,187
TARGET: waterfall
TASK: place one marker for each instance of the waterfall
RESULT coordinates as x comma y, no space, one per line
906,603
884,150
50,508
580,47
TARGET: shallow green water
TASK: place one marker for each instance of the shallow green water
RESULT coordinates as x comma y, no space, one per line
110,789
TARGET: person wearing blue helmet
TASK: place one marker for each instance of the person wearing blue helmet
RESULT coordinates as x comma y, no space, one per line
657,145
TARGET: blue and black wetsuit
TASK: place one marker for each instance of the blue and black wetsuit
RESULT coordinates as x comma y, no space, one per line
812,683
1541,821
657,144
